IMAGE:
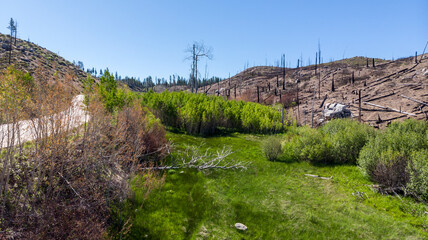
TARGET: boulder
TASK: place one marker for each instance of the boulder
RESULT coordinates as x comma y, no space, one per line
336,110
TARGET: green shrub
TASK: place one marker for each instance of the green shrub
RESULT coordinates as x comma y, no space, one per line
111,96
393,148
204,115
418,171
272,148
307,144
347,138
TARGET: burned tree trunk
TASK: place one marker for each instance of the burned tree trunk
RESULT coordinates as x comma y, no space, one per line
332,84
359,105
258,97
319,84
316,58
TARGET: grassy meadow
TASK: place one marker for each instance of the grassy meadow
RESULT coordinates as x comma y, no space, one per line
274,199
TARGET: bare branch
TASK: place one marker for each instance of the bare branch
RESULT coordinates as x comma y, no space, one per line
192,157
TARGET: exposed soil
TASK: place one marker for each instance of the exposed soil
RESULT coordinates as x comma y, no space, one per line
385,85
43,64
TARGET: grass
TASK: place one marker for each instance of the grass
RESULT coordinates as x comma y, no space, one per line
274,199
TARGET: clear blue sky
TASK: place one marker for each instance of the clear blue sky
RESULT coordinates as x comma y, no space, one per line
140,38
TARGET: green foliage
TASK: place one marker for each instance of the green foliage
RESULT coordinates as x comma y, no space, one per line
338,142
204,115
272,148
88,88
397,157
311,145
16,89
418,171
112,97
347,137
399,139
275,200
180,206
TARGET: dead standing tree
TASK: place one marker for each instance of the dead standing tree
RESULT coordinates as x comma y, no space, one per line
197,51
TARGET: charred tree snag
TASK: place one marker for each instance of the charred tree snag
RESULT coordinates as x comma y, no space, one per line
258,97
359,105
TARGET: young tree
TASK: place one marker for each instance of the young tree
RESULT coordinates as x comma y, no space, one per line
197,51
12,28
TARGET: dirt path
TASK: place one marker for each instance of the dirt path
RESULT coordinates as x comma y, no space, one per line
29,130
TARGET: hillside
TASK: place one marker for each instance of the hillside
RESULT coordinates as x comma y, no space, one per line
40,62
384,84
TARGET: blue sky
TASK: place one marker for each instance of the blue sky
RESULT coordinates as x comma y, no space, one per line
141,38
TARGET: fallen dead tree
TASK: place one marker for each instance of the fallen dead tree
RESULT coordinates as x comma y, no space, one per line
316,176
415,100
389,109
194,158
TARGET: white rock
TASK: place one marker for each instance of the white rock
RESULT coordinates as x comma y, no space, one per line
336,110
241,226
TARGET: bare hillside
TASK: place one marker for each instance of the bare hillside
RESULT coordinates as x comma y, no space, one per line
43,64
386,84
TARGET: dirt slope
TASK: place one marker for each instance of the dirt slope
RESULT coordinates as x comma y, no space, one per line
43,64
384,84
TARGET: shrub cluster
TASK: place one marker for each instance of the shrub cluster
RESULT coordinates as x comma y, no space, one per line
339,141
397,157
61,185
205,115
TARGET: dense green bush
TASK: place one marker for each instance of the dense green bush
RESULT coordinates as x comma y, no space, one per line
418,171
308,144
111,96
339,141
272,148
202,114
347,137
385,157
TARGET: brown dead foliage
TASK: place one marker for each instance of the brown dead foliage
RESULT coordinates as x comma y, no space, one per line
60,185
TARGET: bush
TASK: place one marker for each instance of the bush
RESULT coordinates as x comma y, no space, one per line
62,184
205,115
307,144
347,137
272,148
418,171
385,157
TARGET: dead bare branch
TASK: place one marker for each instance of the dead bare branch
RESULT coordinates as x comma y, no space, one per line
194,158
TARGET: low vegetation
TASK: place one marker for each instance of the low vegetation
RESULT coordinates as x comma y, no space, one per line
275,200
272,148
337,142
61,184
205,115
397,157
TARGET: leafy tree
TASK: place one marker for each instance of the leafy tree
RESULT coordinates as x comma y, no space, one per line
109,93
